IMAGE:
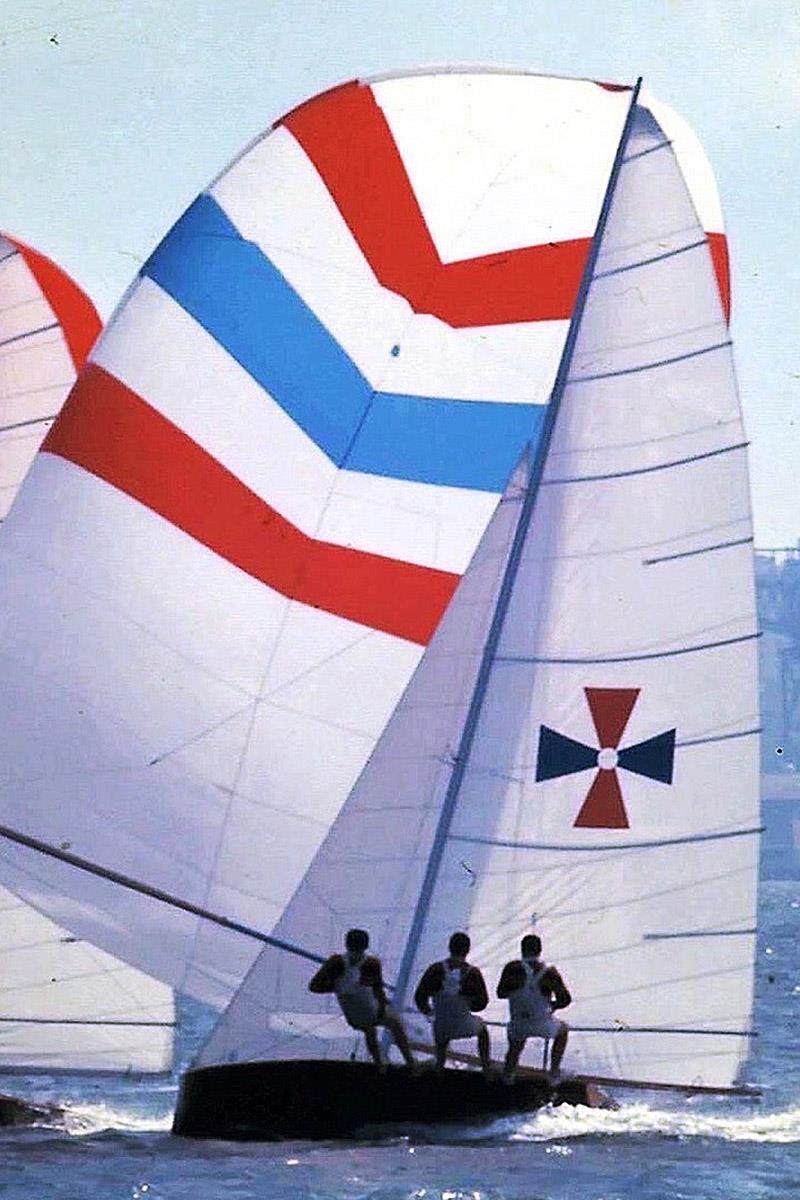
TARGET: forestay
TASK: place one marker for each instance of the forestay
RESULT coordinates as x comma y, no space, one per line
610,800
260,497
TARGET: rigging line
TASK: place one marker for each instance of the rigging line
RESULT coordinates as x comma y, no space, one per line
651,366
676,1029
665,466
649,562
745,637
719,737
20,337
645,262
688,839
31,421
154,893
509,576
80,1021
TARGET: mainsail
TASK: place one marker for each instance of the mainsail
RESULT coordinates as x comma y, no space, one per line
577,752
250,517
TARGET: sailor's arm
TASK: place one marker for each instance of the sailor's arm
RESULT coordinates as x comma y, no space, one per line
559,990
326,976
372,976
474,988
511,980
428,985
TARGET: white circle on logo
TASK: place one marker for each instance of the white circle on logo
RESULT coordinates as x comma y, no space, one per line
607,759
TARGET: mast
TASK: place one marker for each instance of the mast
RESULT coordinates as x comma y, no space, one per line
498,619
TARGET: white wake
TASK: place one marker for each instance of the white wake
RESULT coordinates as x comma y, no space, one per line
557,1124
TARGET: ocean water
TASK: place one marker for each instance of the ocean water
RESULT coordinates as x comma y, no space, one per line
115,1142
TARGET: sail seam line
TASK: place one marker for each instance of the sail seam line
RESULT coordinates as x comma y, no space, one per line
688,839
649,562
649,150
747,637
31,421
661,362
719,737
645,262
80,1021
698,933
19,337
675,462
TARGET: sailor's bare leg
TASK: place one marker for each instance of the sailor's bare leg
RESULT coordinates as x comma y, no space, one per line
371,1038
484,1051
513,1055
559,1046
397,1030
441,1054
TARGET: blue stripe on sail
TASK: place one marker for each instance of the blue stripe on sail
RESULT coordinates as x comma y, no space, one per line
240,298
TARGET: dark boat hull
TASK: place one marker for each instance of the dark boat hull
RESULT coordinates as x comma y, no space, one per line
14,1111
262,1101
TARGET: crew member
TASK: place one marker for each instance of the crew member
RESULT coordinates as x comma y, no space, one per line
534,991
457,992
356,978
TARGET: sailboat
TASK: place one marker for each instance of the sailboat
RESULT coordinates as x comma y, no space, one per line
577,752
64,1004
255,509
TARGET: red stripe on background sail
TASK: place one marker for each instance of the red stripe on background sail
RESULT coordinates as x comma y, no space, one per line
348,139
73,309
182,482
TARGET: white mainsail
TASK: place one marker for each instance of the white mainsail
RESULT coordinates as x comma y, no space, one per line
607,790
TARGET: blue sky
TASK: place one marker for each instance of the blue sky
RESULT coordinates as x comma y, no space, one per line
116,113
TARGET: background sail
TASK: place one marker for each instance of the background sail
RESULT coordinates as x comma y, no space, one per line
47,328
66,1006
611,798
265,486
60,988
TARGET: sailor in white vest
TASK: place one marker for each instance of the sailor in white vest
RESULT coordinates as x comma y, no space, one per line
457,991
534,991
356,979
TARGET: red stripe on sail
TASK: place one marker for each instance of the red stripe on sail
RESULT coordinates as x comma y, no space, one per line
348,139
718,245
109,430
74,311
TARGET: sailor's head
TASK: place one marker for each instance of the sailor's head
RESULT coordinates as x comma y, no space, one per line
531,947
459,945
356,942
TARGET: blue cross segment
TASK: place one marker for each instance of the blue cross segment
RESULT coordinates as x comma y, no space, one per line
559,755
654,758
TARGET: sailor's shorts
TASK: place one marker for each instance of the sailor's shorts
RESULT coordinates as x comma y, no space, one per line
449,1027
545,1027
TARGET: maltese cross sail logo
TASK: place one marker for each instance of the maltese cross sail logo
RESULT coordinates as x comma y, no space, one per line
604,807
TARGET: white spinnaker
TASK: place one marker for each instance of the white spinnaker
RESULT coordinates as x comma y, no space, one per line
67,1006
636,575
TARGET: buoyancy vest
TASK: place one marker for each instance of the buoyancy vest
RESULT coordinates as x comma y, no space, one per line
357,1000
528,1003
449,999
